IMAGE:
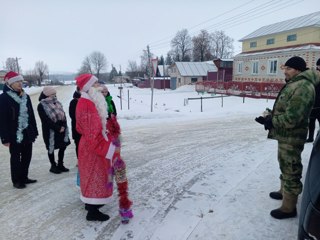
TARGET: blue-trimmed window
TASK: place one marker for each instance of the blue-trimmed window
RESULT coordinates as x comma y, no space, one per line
270,41
292,37
253,44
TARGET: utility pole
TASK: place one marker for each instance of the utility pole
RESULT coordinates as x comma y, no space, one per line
17,62
151,80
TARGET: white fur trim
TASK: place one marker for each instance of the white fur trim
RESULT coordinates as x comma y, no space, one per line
89,84
96,201
14,79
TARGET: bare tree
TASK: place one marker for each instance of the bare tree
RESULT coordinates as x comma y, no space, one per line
31,77
132,66
86,66
99,62
145,61
12,64
221,44
41,69
181,46
95,63
201,47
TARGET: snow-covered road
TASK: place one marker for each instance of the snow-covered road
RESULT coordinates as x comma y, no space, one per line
206,179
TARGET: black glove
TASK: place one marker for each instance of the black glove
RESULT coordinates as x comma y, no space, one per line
268,123
260,120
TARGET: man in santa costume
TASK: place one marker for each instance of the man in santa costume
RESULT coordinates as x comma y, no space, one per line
96,148
18,128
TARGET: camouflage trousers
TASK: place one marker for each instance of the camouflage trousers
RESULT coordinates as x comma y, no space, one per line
289,157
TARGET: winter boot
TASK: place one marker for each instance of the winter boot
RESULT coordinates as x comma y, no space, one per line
288,208
61,167
278,194
54,169
94,214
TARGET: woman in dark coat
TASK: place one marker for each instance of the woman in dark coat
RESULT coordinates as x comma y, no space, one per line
72,113
18,128
54,128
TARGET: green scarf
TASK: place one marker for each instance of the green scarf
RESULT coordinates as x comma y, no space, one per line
110,107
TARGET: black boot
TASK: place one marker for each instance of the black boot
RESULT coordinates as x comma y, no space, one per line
288,208
278,194
54,169
19,185
62,168
94,214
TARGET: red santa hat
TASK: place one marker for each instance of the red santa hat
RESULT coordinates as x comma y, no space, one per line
12,77
85,81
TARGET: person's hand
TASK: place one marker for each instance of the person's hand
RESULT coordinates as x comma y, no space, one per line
268,123
260,120
62,129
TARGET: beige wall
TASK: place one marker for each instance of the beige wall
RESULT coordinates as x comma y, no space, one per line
181,80
304,36
310,55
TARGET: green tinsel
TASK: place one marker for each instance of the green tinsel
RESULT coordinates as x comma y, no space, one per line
110,107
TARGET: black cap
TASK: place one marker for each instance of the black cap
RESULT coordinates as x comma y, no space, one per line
297,63
318,62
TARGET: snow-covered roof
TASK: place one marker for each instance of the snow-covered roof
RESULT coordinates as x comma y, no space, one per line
291,49
195,68
160,68
309,20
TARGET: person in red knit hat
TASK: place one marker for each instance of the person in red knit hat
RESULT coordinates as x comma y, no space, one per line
98,149
119,165
18,128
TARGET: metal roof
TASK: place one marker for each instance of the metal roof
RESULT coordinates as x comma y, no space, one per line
195,68
284,50
309,20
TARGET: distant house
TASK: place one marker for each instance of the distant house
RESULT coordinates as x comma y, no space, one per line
224,70
121,79
184,73
266,50
163,70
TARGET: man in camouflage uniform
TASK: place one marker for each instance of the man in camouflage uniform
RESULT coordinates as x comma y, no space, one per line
288,123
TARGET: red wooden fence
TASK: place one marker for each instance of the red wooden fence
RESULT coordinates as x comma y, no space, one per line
243,89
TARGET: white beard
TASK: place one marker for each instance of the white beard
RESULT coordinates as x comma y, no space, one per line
102,108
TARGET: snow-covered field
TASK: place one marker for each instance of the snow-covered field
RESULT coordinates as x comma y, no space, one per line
192,175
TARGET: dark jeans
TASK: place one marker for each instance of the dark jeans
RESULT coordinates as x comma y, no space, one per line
20,159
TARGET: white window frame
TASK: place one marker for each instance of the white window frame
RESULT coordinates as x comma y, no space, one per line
272,66
255,67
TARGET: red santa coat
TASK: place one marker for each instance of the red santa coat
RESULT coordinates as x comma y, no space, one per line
95,154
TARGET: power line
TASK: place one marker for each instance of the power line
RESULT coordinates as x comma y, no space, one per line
259,11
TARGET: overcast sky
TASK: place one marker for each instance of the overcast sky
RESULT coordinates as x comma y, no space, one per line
63,32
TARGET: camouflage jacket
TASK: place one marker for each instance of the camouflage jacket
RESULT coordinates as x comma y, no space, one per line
291,110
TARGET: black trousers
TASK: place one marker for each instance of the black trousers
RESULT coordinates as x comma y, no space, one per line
76,142
20,159
312,125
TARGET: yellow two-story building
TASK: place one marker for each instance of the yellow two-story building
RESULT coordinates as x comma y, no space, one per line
265,50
